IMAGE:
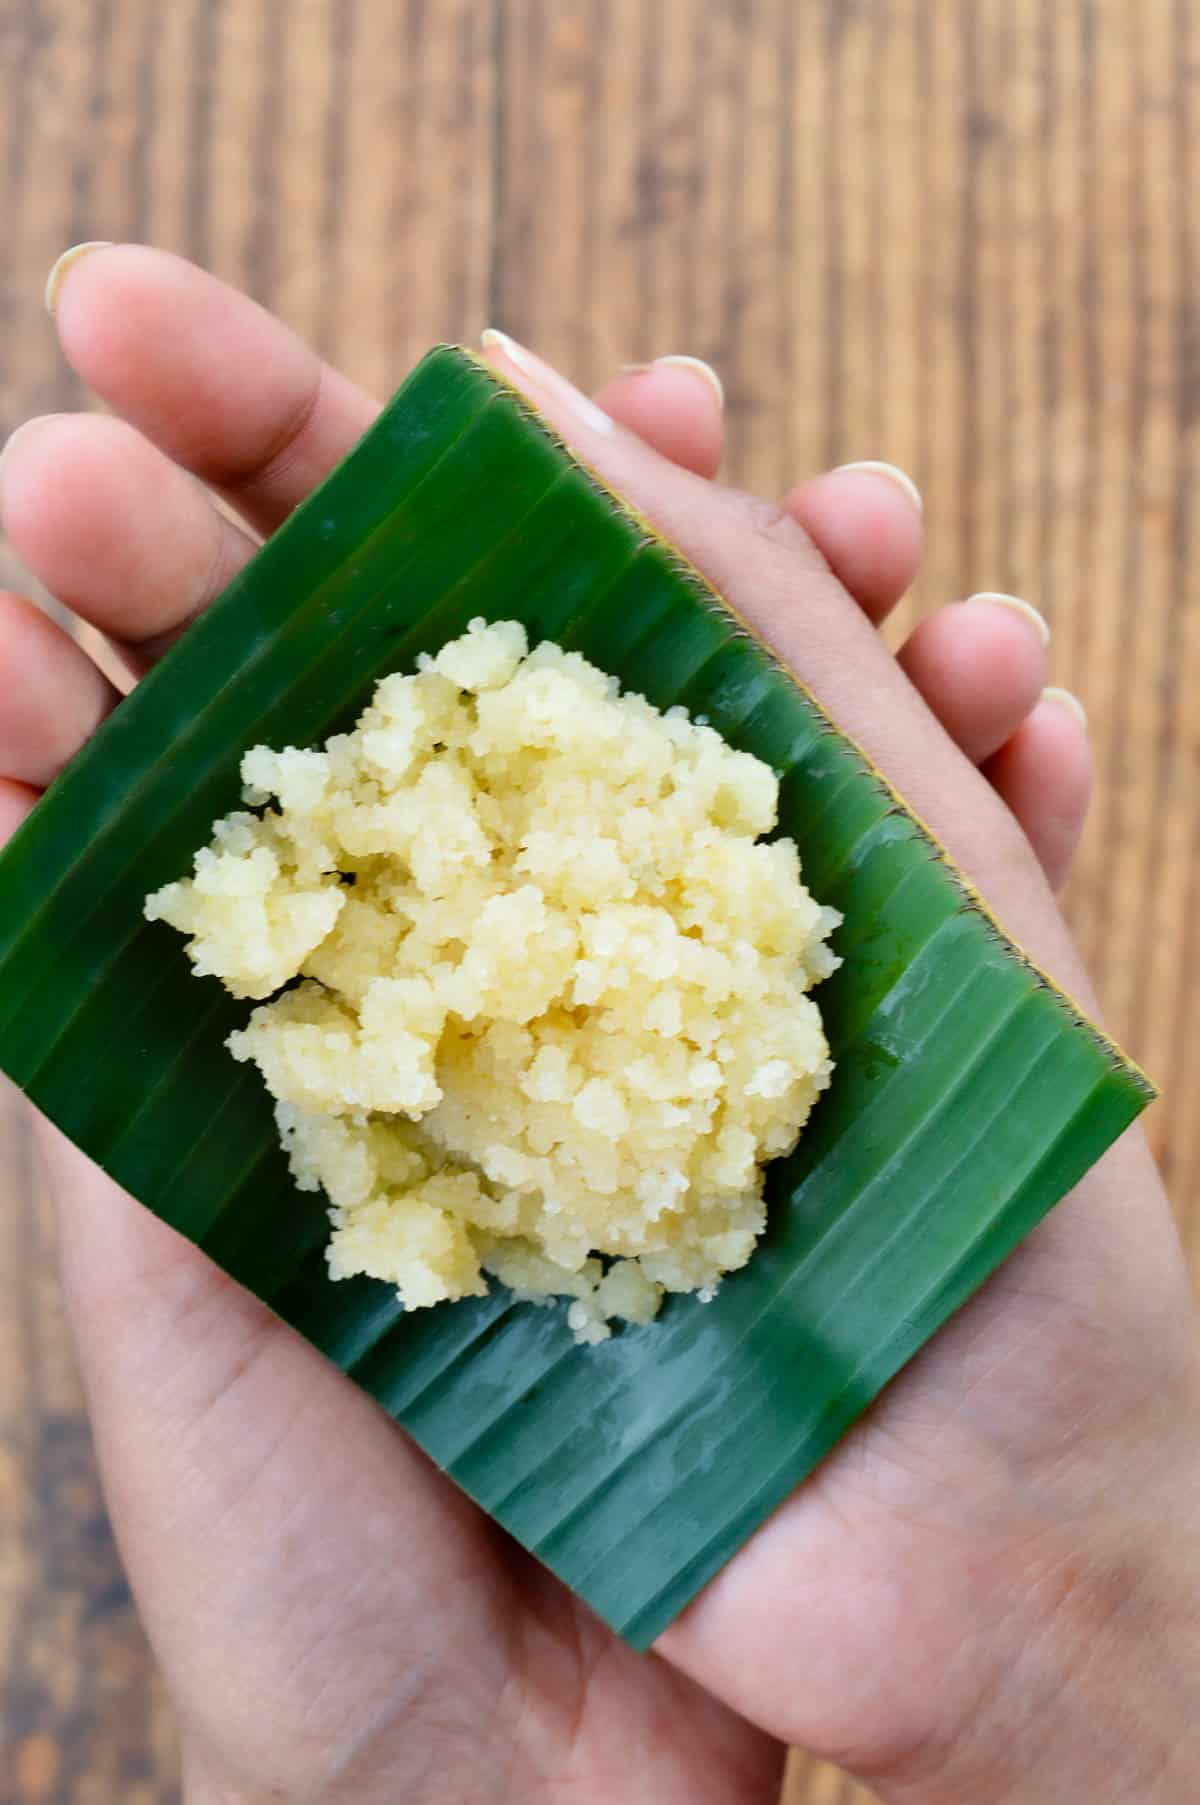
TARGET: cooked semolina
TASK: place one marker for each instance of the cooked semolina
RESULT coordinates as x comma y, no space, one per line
552,1014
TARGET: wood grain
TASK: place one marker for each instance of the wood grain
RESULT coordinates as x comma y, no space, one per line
958,236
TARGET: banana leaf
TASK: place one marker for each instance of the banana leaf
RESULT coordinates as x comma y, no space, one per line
969,1093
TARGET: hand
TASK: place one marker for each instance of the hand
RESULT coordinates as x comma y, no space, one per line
334,1619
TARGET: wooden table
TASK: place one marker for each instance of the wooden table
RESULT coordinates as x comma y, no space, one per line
960,235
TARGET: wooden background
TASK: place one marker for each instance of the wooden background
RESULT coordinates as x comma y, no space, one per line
959,234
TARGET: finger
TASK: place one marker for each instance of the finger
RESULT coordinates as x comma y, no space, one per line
207,375
866,521
52,697
114,529
252,410
134,545
1044,774
675,404
16,801
980,666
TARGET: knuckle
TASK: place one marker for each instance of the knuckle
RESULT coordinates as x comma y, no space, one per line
772,523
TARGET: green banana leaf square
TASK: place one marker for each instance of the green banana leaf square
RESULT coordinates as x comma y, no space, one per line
968,1096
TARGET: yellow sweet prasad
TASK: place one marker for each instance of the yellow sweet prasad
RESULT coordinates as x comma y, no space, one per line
553,1013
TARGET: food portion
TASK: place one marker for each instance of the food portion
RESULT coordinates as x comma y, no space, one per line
552,1015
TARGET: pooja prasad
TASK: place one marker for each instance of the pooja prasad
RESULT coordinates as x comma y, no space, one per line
553,1010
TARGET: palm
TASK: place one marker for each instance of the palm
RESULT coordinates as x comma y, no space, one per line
942,1536
400,1638
334,1618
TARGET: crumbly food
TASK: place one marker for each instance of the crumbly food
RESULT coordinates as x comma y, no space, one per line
553,1010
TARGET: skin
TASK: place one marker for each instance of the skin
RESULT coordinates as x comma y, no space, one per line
988,1591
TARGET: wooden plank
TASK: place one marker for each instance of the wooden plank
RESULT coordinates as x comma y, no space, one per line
958,237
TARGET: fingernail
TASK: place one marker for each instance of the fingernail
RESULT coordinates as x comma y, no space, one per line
69,258
1067,699
540,372
894,474
701,368
1014,601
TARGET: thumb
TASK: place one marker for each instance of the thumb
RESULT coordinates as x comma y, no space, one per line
772,575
